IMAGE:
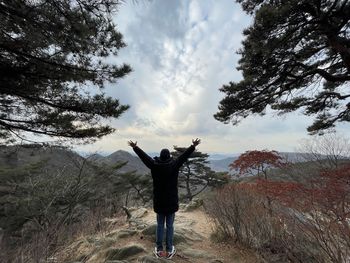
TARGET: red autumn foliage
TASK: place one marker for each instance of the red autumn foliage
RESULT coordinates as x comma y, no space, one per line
330,192
303,220
284,192
257,162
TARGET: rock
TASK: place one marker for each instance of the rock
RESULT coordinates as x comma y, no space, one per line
123,253
138,223
124,233
195,253
179,238
150,230
151,259
182,206
100,241
216,261
194,204
187,235
138,213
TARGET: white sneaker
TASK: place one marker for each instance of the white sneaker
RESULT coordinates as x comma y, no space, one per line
159,254
171,254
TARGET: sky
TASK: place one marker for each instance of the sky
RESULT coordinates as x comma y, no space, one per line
181,53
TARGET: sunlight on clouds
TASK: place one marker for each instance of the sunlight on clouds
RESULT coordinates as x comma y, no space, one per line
181,53
183,94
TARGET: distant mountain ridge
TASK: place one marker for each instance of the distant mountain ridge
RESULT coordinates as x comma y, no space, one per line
222,165
133,163
61,156
217,162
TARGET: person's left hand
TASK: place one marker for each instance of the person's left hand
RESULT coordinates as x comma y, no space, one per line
132,144
196,142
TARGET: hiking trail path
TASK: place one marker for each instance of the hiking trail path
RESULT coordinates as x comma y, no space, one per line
133,240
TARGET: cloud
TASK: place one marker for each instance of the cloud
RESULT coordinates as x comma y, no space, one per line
181,53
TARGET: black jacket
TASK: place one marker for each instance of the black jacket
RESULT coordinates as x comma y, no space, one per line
165,175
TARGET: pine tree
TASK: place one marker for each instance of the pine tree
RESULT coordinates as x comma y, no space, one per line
195,174
52,53
295,55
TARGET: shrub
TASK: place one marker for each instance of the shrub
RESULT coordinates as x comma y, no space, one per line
305,223
241,213
42,245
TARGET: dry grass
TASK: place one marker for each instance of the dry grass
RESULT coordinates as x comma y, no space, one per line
44,244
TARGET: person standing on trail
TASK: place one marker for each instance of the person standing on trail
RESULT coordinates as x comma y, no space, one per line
165,172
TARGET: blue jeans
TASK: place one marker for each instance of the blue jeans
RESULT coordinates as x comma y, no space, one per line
161,219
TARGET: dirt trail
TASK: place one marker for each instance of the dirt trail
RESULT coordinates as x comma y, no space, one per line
198,219
133,241
199,222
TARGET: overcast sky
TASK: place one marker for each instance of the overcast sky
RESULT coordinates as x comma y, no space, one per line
181,53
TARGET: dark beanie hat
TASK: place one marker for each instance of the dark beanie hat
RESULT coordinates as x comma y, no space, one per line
164,154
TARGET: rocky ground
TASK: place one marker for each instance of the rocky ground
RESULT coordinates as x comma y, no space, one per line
132,240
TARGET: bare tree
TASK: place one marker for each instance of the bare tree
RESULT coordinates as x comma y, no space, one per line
327,151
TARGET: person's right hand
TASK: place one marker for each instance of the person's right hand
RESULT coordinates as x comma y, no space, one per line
132,144
196,142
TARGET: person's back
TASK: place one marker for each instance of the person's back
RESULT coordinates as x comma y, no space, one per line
165,173
165,185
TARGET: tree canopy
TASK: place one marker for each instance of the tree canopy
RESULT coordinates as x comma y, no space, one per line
257,162
196,175
51,55
295,55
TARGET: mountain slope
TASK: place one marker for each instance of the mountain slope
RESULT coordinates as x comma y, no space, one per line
52,158
221,165
133,163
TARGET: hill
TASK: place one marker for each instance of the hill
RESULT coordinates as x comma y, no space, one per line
133,163
48,159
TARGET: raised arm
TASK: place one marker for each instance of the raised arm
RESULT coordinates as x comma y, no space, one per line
145,158
184,156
